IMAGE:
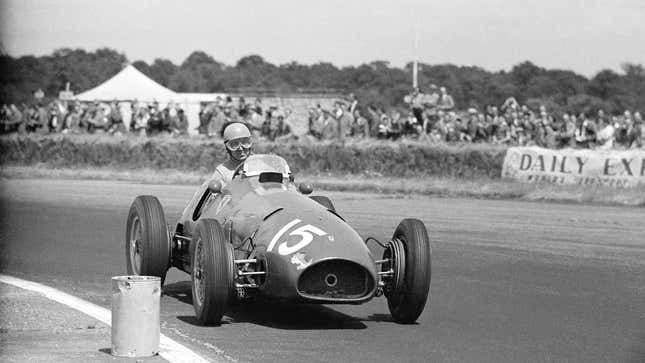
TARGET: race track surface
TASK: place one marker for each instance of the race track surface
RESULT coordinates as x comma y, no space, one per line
512,281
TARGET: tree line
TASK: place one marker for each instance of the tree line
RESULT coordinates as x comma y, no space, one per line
377,82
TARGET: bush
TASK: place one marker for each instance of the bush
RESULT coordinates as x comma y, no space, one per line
370,157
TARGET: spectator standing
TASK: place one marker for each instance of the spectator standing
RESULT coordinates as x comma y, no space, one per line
329,129
467,128
639,125
445,102
585,133
53,118
361,127
217,122
345,120
439,129
98,121
179,124
155,123
230,113
373,118
545,136
565,137
502,134
281,130
630,132
205,114
242,108
622,130
139,122
353,103
258,106
601,118
430,102
518,134
116,125
415,99
254,121
72,119
605,136
14,118
166,121
481,129
314,124
33,119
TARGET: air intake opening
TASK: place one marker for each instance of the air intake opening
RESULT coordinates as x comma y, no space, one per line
336,279
270,177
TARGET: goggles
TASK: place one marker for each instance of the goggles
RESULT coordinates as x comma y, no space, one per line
237,144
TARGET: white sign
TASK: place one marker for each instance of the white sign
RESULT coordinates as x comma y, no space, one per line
65,95
615,168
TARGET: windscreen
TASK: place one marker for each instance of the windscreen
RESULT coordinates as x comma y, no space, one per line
263,163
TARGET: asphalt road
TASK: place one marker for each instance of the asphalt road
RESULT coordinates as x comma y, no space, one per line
512,281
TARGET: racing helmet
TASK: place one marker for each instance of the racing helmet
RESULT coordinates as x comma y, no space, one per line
235,130
238,141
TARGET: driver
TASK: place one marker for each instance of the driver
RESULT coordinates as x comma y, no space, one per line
238,143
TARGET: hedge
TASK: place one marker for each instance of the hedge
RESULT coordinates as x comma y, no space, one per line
388,158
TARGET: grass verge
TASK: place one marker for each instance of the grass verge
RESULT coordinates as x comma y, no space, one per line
434,186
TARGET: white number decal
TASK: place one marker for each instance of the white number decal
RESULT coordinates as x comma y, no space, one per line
275,238
305,232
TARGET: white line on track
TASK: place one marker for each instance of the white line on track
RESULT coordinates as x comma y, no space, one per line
168,348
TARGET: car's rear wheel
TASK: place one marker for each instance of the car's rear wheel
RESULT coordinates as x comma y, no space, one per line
147,243
410,259
324,201
212,272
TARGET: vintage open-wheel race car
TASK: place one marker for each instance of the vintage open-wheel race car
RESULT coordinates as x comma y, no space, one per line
262,236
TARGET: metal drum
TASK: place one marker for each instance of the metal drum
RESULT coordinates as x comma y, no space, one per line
135,316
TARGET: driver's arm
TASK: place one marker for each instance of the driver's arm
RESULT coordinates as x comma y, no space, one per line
223,174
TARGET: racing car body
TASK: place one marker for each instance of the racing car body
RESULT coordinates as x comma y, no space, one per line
262,236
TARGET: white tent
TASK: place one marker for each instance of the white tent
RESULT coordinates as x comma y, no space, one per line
129,85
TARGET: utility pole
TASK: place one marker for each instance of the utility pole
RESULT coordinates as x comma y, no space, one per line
415,64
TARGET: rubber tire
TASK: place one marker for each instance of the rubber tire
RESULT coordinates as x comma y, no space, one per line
155,252
218,268
324,201
408,301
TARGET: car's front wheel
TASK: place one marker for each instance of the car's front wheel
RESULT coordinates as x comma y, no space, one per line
212,269
147,245
410,260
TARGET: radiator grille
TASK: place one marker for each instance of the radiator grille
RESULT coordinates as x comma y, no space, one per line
339,279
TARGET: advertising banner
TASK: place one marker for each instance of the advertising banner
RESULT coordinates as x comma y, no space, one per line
614,168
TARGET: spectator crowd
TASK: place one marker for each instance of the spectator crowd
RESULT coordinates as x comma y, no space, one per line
266,122
430,117
435,118
91,117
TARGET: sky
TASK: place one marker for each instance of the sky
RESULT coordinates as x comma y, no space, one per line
583,36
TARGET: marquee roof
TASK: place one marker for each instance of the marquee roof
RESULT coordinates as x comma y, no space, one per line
129,84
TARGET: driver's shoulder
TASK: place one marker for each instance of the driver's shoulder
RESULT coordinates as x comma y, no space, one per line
224,171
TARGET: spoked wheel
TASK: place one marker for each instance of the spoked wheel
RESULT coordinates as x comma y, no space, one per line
406,289
147,244
135,250
212,272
